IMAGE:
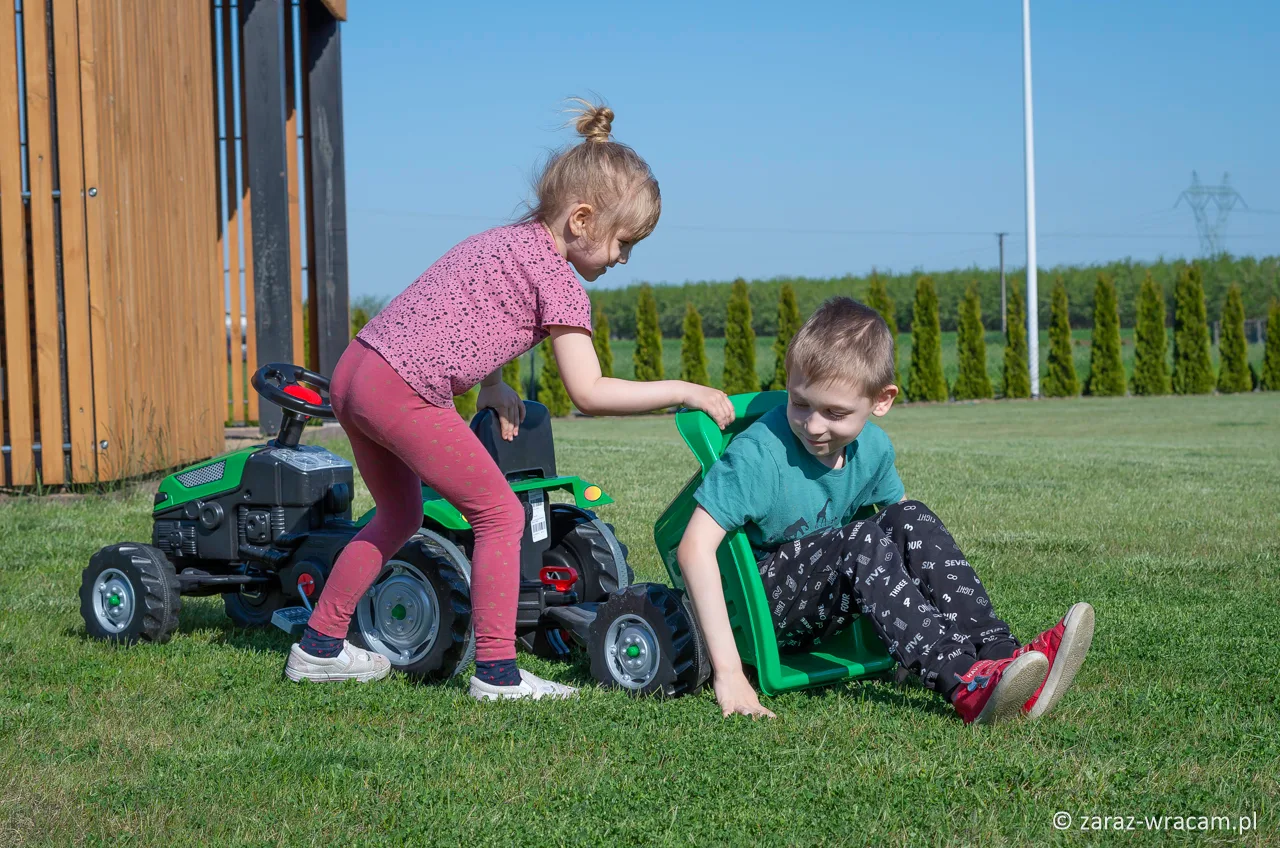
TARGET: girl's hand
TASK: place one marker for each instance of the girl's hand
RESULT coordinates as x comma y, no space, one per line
711,401
735,694
503,399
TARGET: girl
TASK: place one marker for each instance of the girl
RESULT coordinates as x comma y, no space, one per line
488,300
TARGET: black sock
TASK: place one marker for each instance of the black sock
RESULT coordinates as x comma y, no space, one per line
320,645
498,672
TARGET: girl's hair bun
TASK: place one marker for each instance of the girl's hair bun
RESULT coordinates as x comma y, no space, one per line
594,121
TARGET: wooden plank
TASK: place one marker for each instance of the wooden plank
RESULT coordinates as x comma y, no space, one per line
266,196
232,218
220,293
262,65
291,166
201,221
326,186
13,245
75,276
250,358
103,374
223,373
44,255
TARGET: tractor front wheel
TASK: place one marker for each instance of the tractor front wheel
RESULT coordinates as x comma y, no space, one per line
130,592
644,641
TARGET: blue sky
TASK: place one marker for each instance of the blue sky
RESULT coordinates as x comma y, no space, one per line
817,139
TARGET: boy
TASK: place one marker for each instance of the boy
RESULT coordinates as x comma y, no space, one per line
793,481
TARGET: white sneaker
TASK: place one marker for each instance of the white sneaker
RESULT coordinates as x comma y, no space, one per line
531,686
351,664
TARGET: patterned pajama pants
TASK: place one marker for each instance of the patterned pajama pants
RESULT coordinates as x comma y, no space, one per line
903,571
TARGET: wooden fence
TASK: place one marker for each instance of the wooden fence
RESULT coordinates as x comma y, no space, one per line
126,248
111,309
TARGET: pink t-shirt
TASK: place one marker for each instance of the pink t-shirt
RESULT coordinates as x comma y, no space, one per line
482,304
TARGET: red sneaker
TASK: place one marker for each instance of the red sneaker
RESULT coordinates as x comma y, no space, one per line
1065,646
993,690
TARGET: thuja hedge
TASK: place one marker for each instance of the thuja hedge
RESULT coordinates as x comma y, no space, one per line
1259,281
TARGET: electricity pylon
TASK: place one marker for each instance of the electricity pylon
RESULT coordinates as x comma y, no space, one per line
1223,198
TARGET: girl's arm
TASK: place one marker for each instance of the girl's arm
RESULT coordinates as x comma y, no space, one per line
697,557
598,395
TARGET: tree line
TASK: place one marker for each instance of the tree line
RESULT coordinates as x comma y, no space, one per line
1258,279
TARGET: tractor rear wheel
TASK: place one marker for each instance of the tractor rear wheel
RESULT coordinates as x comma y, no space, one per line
417,613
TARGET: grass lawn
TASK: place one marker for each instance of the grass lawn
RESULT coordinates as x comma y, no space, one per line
1161,512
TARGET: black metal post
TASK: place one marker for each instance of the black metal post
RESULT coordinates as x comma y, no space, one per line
262,61
327,291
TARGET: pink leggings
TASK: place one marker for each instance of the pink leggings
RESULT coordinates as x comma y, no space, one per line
401,441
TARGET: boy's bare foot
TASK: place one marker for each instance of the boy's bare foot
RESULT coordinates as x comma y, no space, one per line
1065,646
994,690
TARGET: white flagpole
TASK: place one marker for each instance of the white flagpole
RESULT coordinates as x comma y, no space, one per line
1033,314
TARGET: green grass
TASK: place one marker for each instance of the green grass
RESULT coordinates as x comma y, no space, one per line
1161,512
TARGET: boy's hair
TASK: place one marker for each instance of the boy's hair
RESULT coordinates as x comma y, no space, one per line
610,176
843,341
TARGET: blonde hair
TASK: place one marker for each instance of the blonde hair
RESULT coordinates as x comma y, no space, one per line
843,341
610,176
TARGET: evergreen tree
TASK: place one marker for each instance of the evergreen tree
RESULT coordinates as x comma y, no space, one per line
1270,379
693,350
511,376
1017,374
972,383
359,317
648,351
1233,350
1151,342
926,381
466,403
1061,379
788,325
1106,370
551,391
600,338
1192,367
879,300
739,343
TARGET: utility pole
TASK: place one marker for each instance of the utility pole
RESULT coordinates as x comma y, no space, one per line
1033,300
1003,328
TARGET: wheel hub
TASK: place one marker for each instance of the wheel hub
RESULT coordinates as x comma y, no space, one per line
631,649
400,614
113,600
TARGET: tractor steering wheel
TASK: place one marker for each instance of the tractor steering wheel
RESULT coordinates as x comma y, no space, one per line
294,389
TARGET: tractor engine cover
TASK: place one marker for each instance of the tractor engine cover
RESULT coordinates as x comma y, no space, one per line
281,491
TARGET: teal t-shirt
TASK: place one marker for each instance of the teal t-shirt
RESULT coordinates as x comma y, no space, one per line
767,483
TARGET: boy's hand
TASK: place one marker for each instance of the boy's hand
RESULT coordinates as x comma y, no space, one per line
711,401
735,694
503,399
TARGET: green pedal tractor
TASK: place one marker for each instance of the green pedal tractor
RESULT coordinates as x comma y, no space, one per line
263,526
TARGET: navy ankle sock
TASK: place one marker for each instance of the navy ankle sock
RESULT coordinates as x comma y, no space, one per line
320,645
498,672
